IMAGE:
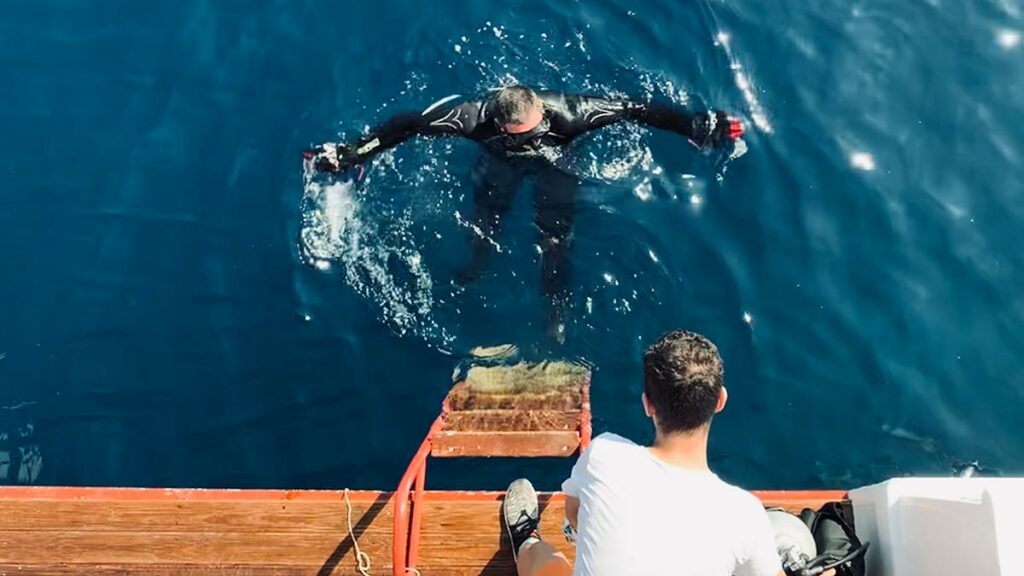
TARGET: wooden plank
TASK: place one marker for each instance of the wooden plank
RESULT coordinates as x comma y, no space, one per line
796,500
108,532
189,495
143,546
485,444
192,532
172,570
444,536
158,516
499,567
182,494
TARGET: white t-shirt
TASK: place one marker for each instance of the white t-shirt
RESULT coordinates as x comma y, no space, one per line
642,517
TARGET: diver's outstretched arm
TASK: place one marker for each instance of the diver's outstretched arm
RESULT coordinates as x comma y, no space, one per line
436,120
704,129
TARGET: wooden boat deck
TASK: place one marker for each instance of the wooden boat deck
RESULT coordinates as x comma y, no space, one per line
127,531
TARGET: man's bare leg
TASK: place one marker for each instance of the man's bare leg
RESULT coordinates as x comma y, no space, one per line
541,559
521,512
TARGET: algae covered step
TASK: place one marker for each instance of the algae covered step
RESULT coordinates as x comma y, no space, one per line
523,409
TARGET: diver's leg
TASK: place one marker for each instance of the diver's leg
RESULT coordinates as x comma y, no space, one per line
495,182
555,205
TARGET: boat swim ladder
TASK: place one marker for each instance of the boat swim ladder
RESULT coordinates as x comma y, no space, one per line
526,410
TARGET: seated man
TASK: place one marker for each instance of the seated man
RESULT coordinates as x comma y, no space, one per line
654,510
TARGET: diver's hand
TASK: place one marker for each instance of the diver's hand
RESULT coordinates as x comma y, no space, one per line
333,158
716,129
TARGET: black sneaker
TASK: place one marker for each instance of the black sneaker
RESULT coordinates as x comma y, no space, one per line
521,512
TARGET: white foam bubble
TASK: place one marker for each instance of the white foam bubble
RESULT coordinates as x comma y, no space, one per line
1008,39
745,85
377,258
862,161
643,190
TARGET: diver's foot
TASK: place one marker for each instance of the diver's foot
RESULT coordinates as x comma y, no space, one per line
521,513
556,331
556,322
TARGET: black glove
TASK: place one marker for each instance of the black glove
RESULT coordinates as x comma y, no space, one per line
715,129
333,158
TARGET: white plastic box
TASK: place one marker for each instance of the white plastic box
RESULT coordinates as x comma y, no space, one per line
942,526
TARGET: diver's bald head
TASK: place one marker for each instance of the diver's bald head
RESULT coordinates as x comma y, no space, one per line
517,109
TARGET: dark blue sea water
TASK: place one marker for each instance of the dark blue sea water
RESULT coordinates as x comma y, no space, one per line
860,267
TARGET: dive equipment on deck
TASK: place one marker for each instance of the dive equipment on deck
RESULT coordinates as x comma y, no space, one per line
818,541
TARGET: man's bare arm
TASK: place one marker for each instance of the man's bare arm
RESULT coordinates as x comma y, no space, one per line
572,511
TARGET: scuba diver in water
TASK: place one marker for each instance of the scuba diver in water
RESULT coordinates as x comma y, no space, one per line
516,125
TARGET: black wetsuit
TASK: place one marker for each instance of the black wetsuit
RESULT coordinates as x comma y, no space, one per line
566,116
509,158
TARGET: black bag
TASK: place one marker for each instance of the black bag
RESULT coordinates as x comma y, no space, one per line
835,540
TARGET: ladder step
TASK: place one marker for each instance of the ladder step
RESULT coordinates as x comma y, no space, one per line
462,397
448,444
513,421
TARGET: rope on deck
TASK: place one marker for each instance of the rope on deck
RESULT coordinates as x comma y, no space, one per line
363,563
362,558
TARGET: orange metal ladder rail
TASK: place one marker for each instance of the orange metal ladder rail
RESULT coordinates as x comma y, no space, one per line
586,427
405,536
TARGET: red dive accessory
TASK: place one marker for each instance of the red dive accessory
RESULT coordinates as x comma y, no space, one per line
735,128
